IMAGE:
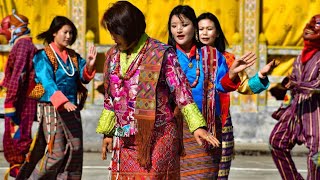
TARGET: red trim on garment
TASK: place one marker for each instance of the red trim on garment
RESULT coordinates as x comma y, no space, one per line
58,99
192,50
230,85
88,76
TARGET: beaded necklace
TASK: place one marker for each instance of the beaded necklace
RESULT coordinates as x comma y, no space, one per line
55,54
131,72
195,82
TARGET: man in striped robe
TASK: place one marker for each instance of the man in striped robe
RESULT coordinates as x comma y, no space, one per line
300,121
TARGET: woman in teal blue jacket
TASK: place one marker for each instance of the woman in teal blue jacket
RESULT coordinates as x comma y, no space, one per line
61,72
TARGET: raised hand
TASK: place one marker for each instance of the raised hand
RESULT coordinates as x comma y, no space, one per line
106,147
203,134
91,58
241,64
268,67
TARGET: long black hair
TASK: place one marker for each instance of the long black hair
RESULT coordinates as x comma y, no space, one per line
189,13
220,42
57,23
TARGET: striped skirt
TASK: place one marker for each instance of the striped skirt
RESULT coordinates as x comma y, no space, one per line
227,149
59,143
197,163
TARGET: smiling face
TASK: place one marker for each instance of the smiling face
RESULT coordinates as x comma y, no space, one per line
182,30
207,32
312,30
63,37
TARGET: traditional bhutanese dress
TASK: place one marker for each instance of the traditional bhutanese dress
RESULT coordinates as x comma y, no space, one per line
253,85
198,162
146,137
20,111
58,151
300,121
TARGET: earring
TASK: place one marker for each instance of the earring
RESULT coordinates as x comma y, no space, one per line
196,34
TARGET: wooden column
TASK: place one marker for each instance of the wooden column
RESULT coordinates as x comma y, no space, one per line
78,15
249,32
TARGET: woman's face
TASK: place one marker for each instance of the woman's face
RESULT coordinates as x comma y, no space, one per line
207,32
63,37
182,30
121,42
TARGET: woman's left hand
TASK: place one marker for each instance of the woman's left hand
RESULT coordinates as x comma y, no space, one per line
241,64
69,106
204,134
269,67
91,58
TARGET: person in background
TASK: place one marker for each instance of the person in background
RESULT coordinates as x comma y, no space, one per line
20,110
5,30
210,33
142,78
61,72
298,121
207,74
5,36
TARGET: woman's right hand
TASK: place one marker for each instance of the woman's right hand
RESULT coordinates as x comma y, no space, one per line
106,146
204,134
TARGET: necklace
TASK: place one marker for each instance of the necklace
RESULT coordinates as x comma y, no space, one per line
55,54
131,72
195,82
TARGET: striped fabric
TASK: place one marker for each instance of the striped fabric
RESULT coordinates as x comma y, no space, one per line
65,161
197,162
227,149
300,122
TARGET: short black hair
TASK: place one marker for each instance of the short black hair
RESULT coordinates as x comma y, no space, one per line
57,23
126,20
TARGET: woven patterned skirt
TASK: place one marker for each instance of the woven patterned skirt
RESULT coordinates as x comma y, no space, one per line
165,156
197,162
65,160
227,149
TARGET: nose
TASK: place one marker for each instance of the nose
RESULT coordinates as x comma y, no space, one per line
204,31
179,30
68,35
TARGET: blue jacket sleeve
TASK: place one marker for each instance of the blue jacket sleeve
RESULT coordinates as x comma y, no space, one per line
221,72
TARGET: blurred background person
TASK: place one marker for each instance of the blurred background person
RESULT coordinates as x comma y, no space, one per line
298,121
20,110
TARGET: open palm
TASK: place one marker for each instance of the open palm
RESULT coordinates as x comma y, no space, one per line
244,62
91,57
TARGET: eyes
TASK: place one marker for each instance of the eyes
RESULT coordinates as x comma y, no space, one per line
204,28
183,25
68,32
